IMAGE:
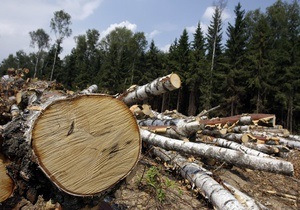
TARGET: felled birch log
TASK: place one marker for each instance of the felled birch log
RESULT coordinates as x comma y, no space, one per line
283,141
212,190
271,131
244,199
294,137
233,157
180,126
239,147
239,129
83,144
159,86
268,149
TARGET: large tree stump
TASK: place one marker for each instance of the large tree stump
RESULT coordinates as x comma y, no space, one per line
6,183
84,144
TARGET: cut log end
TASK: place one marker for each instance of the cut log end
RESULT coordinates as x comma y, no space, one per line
87,144
6,183
175,81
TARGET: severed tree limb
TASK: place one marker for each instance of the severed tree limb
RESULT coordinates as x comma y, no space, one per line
205,112
230,156
157,87
216,193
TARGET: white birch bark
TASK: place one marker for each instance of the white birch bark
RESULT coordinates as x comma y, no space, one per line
91,89
244,199
157,87
233,157
216,193
268,149
284,141
235,146
160,116
180,126
294,137
239,129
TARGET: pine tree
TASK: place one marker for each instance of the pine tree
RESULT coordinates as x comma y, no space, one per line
236,75
258,64
214,49
196,77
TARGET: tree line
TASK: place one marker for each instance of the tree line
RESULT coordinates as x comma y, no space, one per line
256,70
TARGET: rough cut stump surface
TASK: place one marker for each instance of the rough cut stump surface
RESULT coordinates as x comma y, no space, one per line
86,144
6,183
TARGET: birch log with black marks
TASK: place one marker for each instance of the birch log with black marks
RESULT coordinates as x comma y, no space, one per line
159,86
83,144
230,156
211,189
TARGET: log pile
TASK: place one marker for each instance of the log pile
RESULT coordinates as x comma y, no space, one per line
75,148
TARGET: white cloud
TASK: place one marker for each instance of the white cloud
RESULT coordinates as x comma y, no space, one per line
209,12
79,9
126,24
191,29
165,48
153,34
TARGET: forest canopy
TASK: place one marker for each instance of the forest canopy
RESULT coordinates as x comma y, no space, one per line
256,69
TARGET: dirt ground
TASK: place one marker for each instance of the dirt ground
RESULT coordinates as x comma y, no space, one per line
152,187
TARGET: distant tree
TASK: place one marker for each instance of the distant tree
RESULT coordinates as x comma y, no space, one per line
197,78
121,49
182,63
236,76
40,39
60,24
284,22
258,63
214,51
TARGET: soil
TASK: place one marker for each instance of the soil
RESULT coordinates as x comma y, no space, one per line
153,186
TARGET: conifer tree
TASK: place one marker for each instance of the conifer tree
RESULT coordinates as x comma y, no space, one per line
236,75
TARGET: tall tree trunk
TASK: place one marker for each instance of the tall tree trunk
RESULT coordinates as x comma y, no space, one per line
192,109
54,62
36,64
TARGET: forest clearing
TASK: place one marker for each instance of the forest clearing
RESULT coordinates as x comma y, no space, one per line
77,149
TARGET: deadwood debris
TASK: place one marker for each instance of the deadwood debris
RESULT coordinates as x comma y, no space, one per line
52,142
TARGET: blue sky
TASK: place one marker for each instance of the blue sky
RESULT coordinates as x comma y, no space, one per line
160,20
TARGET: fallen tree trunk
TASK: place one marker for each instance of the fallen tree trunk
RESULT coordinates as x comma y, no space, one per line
179,126
236,146
157,87
222,154
244,199
84,145
212,190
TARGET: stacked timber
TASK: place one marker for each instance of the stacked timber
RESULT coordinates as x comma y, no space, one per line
74,148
